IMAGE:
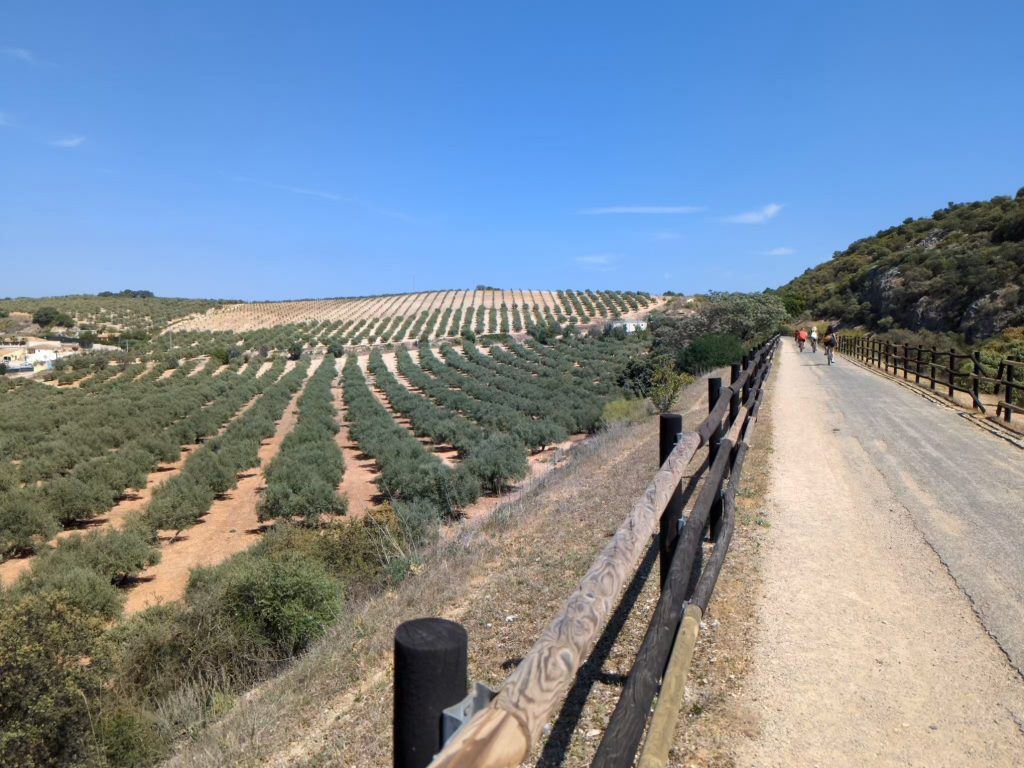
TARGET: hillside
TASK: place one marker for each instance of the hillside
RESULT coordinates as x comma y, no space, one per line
961,270
432,314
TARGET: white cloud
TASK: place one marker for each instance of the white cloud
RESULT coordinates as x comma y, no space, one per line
69,142
641,209
595,260
21,54
777,252
759,216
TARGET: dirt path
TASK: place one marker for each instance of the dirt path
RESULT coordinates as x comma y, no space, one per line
231,526
358,483
867,652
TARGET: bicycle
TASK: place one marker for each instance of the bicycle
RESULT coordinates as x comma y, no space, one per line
830,354
814,345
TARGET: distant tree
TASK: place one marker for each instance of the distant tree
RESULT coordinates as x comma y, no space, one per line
47,316
710,351
295,351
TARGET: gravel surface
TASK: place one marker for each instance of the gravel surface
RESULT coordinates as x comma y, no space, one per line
895,550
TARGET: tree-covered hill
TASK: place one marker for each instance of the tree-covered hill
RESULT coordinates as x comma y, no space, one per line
961,270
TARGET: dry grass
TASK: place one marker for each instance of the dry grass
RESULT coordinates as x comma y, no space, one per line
714,717
503,579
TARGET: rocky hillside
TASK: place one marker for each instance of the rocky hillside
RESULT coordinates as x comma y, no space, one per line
961,270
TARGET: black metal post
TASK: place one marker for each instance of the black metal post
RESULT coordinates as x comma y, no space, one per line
430,675
670,425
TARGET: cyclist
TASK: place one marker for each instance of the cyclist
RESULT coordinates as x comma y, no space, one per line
801,338
814,338
830,344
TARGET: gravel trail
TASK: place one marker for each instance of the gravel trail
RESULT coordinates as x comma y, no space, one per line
890,615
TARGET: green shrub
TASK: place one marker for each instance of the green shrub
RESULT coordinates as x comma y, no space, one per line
288,601
24,523
710,351
80,587
115,555
497,460
52,665
625,411
420,521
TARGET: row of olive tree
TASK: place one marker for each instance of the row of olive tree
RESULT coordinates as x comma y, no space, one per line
303,479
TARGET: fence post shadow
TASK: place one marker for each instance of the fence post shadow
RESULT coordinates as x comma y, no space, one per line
557,744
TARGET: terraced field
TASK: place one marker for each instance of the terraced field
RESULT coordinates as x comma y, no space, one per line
432,315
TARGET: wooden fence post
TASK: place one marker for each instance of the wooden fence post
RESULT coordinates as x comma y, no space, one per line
976,383
714,393
906,361
888,350
734,401
931,359
952,368
1008,410
670,426
430,675
917,364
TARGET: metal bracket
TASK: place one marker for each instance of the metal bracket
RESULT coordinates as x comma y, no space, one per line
457,715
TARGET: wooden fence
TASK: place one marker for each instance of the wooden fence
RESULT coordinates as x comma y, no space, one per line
503,733
946,372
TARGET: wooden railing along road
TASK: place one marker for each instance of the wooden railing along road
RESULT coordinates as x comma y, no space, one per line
943,371
505,731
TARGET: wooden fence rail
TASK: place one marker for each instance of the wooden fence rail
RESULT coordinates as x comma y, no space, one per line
943,371
503,733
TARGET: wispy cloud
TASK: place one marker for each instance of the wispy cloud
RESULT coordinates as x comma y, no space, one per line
68,142
325,195
21,54
665,236
596,259
777,252
642,209
760,216
597,262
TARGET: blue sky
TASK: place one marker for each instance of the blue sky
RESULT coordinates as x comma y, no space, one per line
263,151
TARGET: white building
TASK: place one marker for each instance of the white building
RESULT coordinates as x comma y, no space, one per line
631,326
